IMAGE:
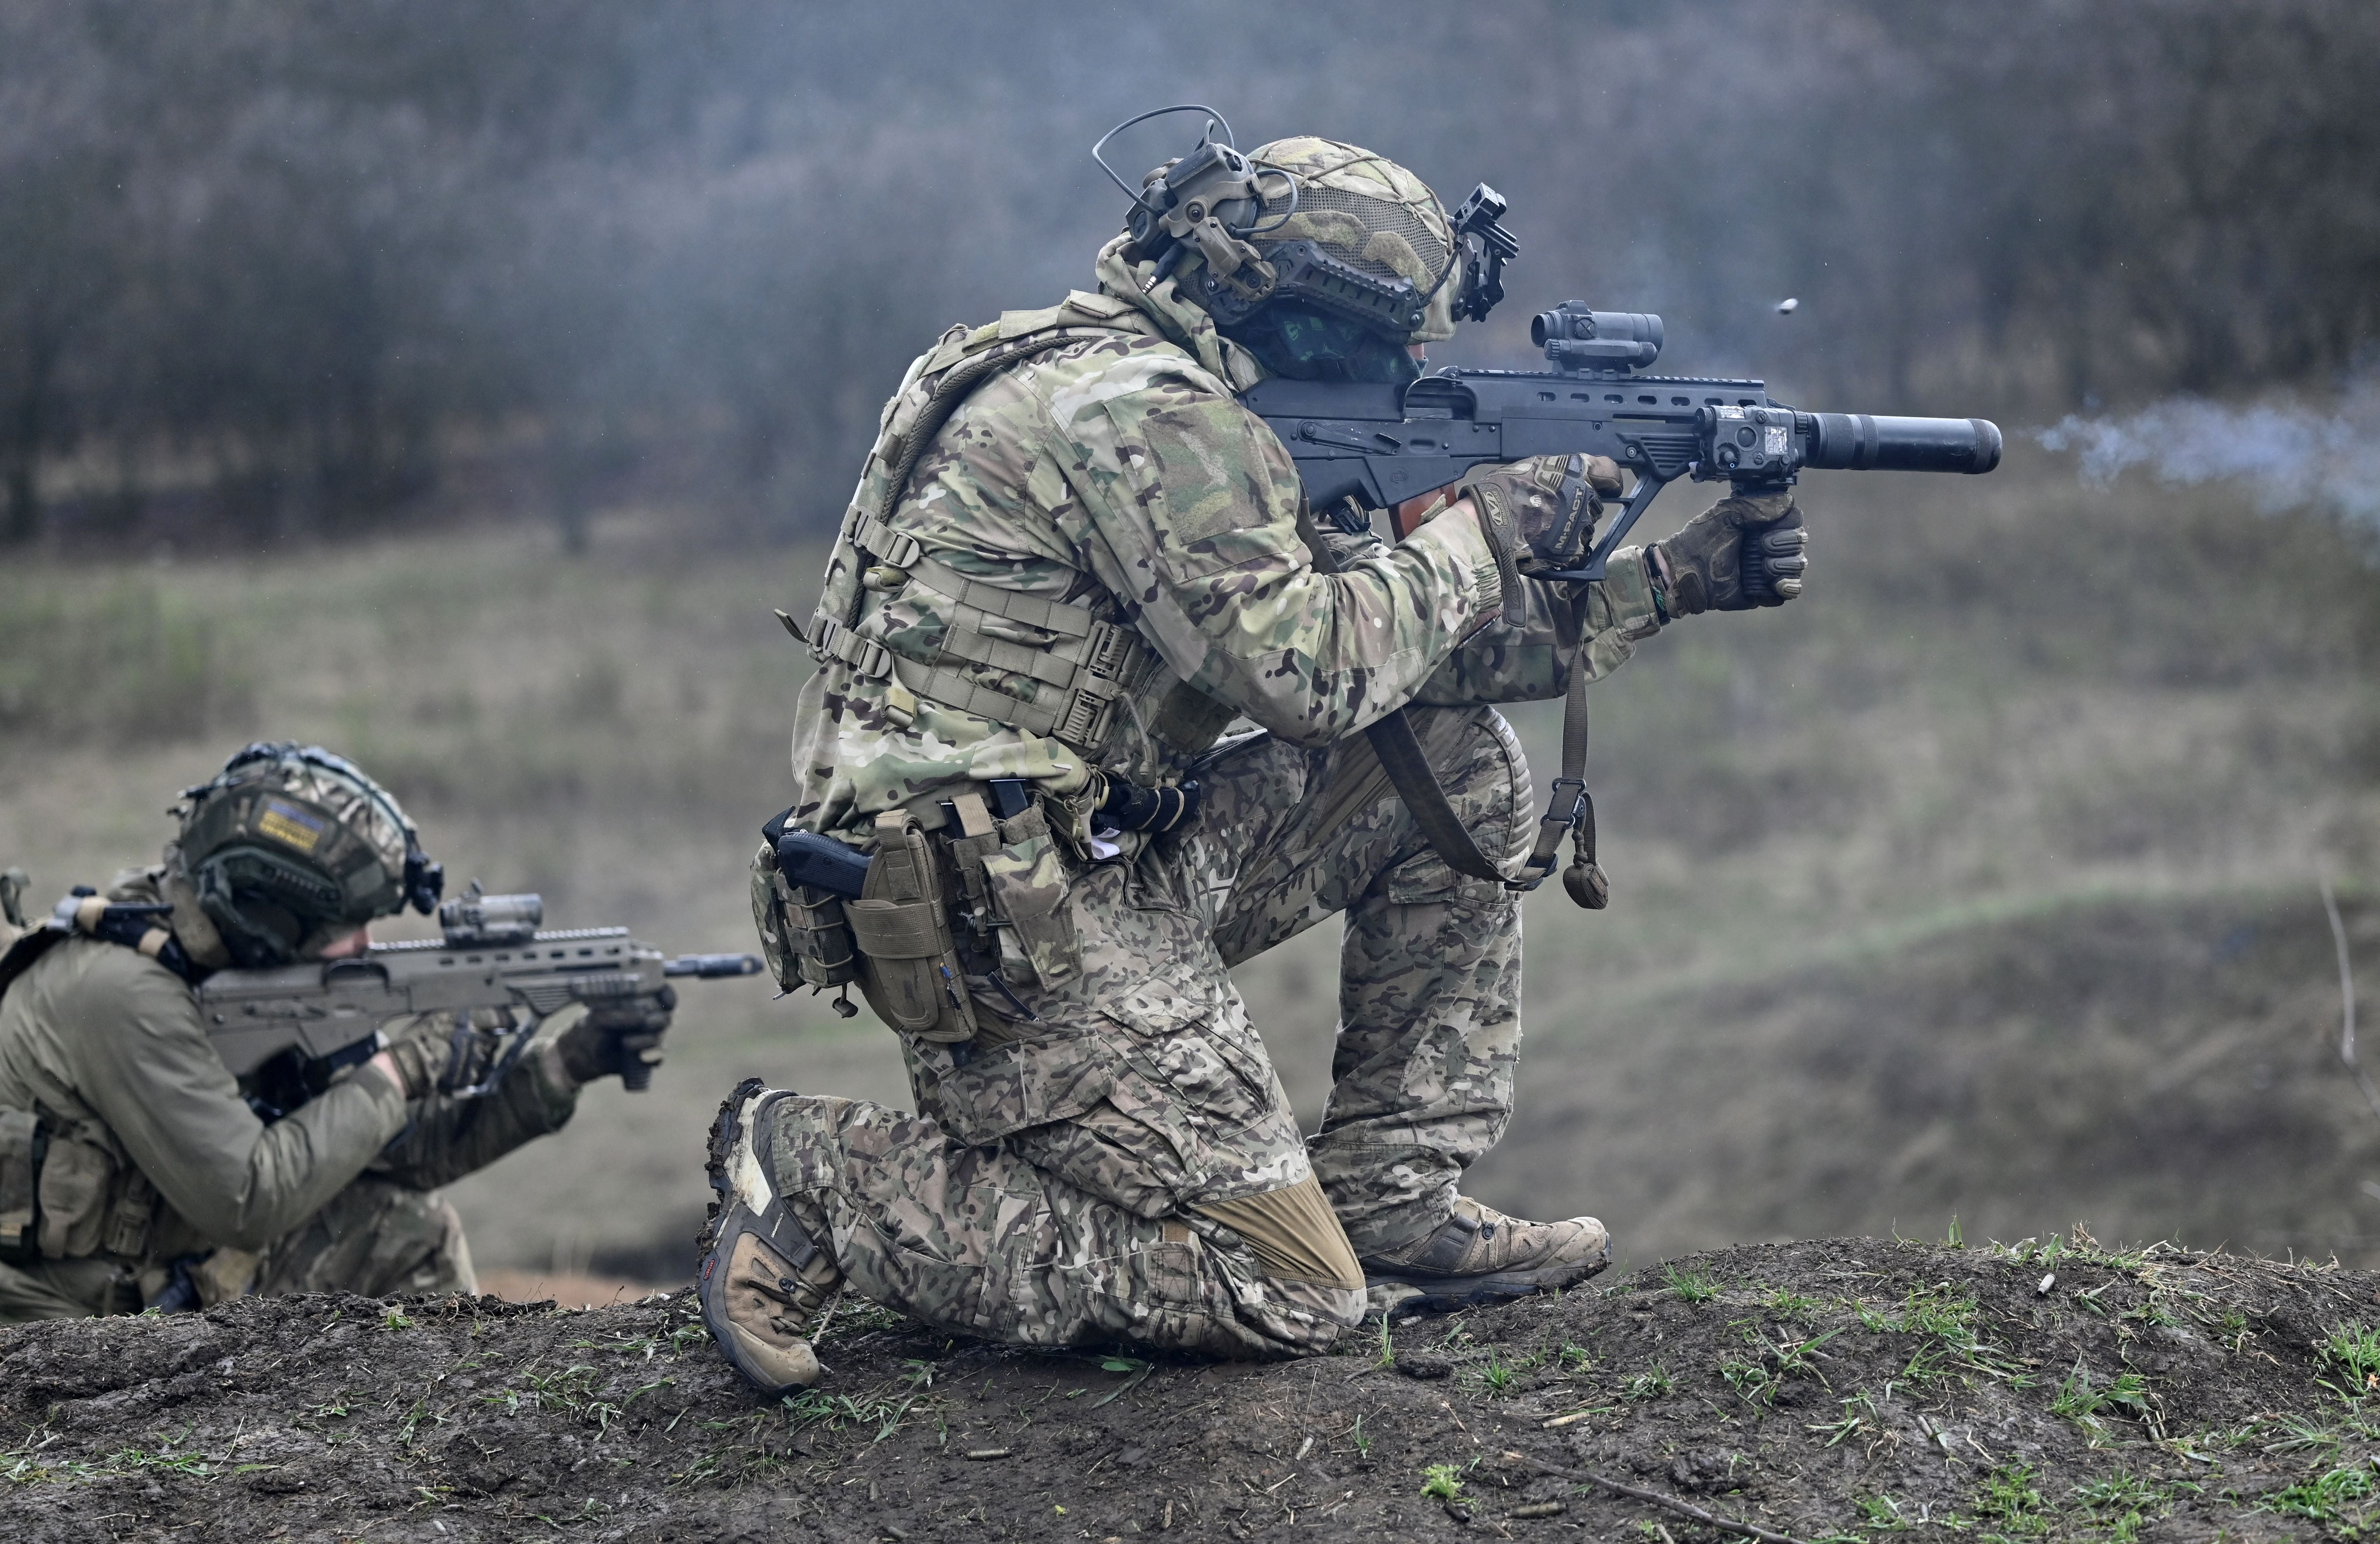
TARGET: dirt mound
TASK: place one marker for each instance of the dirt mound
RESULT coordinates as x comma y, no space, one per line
1816,1390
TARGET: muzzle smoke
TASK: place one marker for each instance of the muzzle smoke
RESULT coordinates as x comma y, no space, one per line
2292,454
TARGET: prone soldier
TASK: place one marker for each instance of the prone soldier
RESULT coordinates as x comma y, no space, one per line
136,1171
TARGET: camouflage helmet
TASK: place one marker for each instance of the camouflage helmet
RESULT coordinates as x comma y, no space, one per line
290,848
1369,213
1322,260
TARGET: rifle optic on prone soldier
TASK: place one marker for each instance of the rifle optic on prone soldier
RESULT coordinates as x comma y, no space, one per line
283,1031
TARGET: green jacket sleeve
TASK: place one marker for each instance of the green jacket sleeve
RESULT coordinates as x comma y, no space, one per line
1186,508
449,1138
141,1061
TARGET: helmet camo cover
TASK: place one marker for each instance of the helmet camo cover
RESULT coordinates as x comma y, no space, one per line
290,848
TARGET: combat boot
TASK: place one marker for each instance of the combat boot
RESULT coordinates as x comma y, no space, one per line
1478,1255
763,1279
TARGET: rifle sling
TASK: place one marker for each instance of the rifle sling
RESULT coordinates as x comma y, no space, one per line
1409,771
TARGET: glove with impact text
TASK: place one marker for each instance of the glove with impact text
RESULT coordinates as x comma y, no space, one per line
1538,515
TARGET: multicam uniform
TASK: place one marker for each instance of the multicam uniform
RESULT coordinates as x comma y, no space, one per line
1111,1155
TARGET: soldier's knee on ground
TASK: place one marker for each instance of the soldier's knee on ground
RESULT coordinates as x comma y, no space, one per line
375,1238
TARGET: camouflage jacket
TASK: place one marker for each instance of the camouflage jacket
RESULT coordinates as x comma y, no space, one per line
1120,473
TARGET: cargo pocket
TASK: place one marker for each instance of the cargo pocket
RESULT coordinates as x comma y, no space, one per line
1026,881
23,1137
901,925
1037,1081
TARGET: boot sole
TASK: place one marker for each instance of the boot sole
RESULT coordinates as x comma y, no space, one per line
1453,1294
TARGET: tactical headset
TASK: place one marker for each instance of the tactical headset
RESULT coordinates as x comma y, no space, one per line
1211,202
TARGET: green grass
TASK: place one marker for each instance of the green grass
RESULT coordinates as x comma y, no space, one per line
2333,1499
1860,1418
2078,1400
1498,1379
1689,1285
1650,1384
2353,1349
2010,1499
1442,1482
1757,1381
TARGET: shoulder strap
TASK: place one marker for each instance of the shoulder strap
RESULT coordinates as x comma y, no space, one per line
955,367
21,954
1401,757
132,927
1408,767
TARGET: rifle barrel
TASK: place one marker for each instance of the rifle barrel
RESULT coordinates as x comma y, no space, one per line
710,967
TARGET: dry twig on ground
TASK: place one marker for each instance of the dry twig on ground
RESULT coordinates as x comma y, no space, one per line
1683,1508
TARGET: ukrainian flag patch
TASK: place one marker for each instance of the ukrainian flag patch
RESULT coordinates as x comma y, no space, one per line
291,826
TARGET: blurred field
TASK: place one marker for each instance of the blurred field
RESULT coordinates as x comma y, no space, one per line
1982,880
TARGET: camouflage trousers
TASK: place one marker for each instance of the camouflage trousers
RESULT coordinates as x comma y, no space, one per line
1087,1173
375,1238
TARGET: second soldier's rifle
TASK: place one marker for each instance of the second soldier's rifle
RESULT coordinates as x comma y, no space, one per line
284,1031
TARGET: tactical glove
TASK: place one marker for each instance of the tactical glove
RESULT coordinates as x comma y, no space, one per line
1539,515
451,1053
623,1037
420,1062
1743,552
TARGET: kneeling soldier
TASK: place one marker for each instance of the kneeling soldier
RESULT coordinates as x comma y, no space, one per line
1073,557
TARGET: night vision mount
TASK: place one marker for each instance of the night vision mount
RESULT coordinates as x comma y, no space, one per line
1212,202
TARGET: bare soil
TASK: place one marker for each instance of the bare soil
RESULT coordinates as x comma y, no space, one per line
1818,1389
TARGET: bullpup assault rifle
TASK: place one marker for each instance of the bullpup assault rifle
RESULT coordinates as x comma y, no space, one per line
283,1031
1362,447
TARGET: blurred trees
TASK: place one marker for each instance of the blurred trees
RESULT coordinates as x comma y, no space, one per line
272,267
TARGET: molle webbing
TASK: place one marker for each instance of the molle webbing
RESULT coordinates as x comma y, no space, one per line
1090,674
963,363
1087,666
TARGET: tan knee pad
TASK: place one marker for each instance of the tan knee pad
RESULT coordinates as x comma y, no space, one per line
1294,1234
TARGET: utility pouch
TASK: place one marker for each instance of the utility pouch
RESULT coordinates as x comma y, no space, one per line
23,1139
804,934
910,968
71,1195
1025,879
